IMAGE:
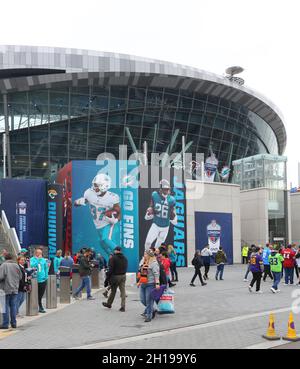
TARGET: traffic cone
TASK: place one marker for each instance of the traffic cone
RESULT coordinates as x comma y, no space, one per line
271,334
291,333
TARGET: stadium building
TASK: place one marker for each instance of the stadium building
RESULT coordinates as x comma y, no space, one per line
59,105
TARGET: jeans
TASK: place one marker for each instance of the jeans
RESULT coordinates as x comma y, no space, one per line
146,298
117,281
277,278
10,310
220,270
85,282
289,275
21,299
174,271
247,272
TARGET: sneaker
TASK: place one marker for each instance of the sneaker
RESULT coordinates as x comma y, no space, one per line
42,310
259,292
122,309
192,284
285,284
143,315
76,297
90,298
105,294
216,278
172,284
204,284
2,327
14,326
105,304
273,290
221,279
278,291
147,320
250,289
245,280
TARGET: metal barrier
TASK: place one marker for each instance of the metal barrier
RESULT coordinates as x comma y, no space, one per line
76,280
32,306
95,276
65,287
51,293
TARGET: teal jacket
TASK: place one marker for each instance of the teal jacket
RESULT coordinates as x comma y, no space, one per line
42,268
57,261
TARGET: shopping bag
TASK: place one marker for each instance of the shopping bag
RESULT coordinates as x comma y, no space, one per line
157,293
166,303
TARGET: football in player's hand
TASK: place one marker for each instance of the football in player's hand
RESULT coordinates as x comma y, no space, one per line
150,211
110,213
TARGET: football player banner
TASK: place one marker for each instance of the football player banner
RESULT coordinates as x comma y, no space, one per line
163,214
215,230
105,209
55,219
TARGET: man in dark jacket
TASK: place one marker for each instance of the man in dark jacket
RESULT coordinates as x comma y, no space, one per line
85,271
10,276
198,264
117,268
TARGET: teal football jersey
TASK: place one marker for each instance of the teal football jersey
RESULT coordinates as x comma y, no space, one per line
162,209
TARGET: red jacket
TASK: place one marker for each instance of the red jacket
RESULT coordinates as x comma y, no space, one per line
289,258
166,264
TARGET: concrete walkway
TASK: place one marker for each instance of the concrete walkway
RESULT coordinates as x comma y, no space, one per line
222,314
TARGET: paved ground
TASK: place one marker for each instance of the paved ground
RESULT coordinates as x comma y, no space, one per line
220,315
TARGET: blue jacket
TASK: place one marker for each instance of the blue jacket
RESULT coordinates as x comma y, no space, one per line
67,262
265,256
41,265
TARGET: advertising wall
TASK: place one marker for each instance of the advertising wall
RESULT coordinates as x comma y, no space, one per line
215,230
90,212
55,219
25,204
160,228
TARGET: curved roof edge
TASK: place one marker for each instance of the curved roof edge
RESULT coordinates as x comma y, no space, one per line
88,64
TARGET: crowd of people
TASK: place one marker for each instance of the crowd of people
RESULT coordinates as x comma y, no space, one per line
273,261
157,273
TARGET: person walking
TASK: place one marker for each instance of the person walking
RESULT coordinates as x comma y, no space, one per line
10,277
198,264
275,261
245,250
206,256
250,252
267,269
85,271
117,269
220,259
173,259
41,265
150,264
257,268
289,264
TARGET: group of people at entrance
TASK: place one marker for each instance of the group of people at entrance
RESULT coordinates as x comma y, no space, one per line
274,262
203,258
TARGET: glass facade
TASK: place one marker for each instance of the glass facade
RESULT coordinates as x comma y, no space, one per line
261,171
50,127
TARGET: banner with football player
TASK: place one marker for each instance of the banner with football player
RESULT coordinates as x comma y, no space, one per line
105,209
163,215
215,230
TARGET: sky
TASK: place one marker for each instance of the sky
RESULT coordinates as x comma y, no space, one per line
262,36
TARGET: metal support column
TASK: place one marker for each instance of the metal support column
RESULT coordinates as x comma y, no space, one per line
6,120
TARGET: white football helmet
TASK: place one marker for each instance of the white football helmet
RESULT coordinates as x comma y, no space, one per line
165,187
101,183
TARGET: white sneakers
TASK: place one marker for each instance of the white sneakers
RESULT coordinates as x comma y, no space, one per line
250,290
